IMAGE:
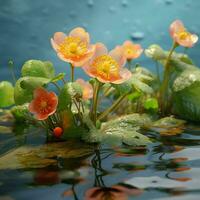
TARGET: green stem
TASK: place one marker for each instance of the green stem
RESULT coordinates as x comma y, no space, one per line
57,86
113,107
79,112
11,66
72,72
165,83
95,101
157,71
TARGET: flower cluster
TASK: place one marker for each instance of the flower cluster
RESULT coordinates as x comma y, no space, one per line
105,68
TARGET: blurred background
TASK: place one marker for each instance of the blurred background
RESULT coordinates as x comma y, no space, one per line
26,26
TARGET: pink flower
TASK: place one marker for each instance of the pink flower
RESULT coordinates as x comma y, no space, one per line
87,89
181,36
108,67
74,48
131,50
44,103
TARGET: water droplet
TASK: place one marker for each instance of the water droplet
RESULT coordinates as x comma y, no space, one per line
137,35
90,3
112,9
168,2
124,3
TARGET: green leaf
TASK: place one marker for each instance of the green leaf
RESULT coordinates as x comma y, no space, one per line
64,98
141,77
151,104
30,83
58,77
126,129
74,89
156,53
23,91
20,112
6,94
186,90
134,96
38,68
186,102
168,122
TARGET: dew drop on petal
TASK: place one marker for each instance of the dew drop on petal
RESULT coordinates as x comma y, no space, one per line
137,35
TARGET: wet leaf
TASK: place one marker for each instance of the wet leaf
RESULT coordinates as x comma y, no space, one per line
168,126
125,130
6,94
42,156
168,122
139,81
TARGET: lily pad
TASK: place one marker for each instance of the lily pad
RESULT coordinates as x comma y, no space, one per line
42,156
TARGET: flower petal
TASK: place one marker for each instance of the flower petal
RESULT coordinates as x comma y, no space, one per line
118,54
40,92
127,43
125,75
59,37
80,33
176,27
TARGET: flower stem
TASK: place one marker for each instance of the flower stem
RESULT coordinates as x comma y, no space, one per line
72,72
11,66
95,101
164,87
113,107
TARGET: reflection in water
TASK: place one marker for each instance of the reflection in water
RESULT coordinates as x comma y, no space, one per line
100,191
168,168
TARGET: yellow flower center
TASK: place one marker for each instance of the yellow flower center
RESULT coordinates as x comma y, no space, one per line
43,104
73,47
183,35
106,66
129,51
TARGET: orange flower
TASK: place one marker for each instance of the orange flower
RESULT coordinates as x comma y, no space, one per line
44,103
131,50
181,36
108,67
74,48
87,89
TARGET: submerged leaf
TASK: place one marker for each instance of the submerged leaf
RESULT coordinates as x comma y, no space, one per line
6,94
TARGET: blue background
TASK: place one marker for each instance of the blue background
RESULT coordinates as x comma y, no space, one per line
26,26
